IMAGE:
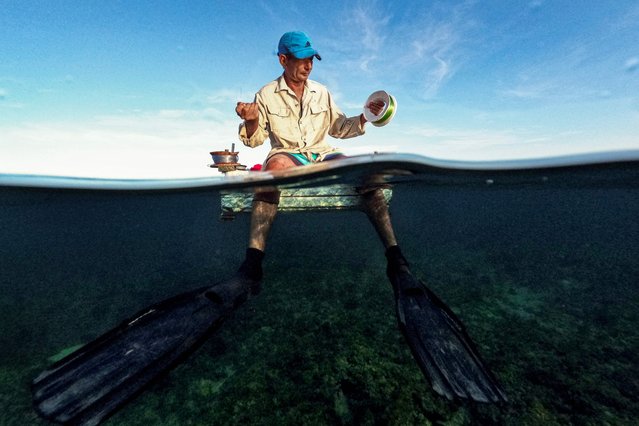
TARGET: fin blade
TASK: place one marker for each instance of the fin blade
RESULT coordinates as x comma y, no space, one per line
91,383
440,345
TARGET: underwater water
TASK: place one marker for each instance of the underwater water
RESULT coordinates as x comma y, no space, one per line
543,276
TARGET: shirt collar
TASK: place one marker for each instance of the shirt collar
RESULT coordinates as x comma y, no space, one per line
281,85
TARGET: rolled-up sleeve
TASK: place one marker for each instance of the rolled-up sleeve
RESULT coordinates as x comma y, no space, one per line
343,127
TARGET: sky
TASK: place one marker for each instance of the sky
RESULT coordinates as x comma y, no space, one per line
146,89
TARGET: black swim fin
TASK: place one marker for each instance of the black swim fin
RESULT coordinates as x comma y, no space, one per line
440,344
90,384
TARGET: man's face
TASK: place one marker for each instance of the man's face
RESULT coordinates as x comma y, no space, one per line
296,70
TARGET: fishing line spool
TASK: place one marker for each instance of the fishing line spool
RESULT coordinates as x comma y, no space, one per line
387,113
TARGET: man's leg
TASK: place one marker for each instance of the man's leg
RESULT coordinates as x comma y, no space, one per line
265,205
375,206
247,280
376,209
263,214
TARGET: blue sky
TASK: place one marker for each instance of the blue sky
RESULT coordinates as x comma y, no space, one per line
148,88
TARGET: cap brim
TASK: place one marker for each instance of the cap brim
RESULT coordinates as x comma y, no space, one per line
306,53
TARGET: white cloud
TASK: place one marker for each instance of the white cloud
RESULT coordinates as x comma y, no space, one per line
3,94
580,66
365,26
434,40
466,138
424,50
363,65
631,64
523,93
170,143
438,76
489,144
11,105
226,96
371,23
172,113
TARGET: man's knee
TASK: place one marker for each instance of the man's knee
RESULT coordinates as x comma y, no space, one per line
279,162
276,162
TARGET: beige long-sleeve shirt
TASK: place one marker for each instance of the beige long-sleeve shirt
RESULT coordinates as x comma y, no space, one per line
294,126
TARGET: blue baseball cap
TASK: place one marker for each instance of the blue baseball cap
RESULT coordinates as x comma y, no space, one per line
298,44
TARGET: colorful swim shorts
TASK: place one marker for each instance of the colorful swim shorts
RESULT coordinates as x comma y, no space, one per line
301,159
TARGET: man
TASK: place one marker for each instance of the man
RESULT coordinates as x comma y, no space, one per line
297,114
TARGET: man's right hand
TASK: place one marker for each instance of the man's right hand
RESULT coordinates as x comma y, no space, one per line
247,111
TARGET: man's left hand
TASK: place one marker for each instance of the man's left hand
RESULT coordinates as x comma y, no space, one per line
375,107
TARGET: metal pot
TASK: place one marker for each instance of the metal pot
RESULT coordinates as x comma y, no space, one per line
225,157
